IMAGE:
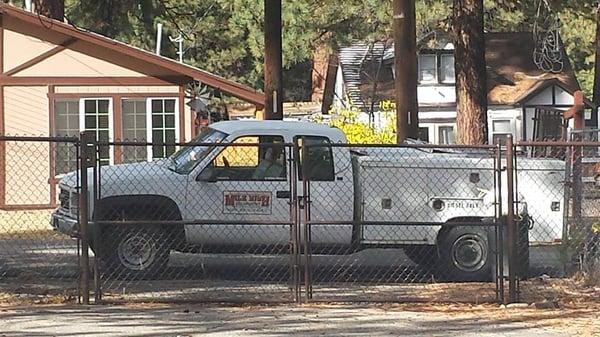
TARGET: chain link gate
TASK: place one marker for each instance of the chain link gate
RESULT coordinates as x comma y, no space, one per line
215,229
37,263
398,224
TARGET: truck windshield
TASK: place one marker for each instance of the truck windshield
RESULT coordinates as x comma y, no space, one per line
188,156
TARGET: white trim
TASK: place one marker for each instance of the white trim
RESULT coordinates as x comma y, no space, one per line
512,126
434,130
435,69
149,120
111,155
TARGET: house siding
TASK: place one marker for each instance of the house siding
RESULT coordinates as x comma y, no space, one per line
14,45
67,62
26,114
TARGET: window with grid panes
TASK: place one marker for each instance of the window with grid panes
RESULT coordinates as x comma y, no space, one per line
96,118
66,124
164,127
134,129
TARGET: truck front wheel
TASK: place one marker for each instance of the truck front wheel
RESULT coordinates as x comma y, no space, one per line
465,254
135,253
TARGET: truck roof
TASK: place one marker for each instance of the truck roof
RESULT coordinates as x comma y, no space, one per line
289,127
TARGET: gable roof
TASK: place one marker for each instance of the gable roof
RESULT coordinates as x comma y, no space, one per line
512,76
125,55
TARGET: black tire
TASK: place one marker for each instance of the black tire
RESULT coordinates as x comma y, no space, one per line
134,253
424,255
465,254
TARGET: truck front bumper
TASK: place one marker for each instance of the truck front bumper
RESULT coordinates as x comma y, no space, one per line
64,224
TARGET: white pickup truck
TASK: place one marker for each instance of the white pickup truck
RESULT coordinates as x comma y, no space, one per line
402,197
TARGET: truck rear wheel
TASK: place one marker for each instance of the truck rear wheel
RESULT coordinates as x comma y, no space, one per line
465,254
134,253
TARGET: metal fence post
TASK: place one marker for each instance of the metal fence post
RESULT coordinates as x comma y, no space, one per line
510,222
84,266
499,229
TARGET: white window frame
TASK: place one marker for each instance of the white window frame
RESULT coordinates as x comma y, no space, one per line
430,131
435,69
437,131
434,130
513,129
441,69
149,121
111,128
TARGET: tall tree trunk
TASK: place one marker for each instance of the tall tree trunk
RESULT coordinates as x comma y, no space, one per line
405,65
54,9
596,96
471,82
273,60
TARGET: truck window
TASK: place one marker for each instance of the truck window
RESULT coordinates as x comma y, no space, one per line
258,162
319,161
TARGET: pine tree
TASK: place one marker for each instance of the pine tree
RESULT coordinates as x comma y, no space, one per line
471,86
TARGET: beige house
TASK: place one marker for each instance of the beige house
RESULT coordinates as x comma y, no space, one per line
58,80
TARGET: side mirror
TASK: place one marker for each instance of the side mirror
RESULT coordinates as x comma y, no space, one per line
209,175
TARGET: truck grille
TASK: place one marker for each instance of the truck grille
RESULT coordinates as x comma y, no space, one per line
63,197
69,202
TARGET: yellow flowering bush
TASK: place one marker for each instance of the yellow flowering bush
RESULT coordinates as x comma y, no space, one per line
359,132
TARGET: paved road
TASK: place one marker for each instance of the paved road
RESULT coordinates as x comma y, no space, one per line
252,321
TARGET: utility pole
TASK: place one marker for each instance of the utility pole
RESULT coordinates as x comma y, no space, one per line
405,64
273,61
596,96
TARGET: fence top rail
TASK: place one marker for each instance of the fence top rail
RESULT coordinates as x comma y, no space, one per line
189,144
558,143
413,146
39,139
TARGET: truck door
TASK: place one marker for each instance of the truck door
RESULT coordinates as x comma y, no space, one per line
242,183
330,189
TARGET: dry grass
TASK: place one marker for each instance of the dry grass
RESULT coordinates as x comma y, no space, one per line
26,294
24,221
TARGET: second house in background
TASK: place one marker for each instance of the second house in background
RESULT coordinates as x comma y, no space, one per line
522,99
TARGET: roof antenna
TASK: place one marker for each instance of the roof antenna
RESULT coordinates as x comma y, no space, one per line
159,27
179,39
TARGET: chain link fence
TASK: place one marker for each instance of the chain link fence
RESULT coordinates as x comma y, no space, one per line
566,233
271,219
37,264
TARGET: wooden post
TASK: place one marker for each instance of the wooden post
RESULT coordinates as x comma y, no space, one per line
405,64
576,112
596,96
273,61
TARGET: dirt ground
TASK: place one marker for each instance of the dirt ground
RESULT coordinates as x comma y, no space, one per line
555,307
